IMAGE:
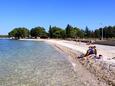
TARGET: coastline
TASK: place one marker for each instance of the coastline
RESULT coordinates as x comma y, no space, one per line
107,51
97,73
85,75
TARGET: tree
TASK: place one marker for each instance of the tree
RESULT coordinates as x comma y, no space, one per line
105,32
68,31
56,32
50,32
87,32
74,32
108,32
97,33
81,33
20,32
63,34
113,31
3,36
92,34
38,32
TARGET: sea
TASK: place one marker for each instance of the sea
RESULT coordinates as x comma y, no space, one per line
33,63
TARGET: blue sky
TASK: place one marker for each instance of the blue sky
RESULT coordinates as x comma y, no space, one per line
32,13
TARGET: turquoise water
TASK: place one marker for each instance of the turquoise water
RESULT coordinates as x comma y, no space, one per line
29,63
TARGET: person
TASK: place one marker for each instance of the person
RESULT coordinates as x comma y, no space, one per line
89,51
95,50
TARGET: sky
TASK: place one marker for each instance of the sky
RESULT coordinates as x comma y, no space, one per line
78,13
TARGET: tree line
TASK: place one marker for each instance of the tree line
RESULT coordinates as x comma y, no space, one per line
3,36
57,32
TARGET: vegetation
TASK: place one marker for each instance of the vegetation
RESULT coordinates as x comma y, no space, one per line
108,32
3,36
56,32
38,32
20,32
69,29
68,32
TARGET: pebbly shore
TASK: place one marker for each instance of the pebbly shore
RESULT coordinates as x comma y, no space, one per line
91,72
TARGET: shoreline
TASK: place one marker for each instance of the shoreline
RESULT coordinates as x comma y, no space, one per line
97,72
91,73
84,74
107,51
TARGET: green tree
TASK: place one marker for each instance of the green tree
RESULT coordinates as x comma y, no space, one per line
108,32
105,32
38,32
113,31
50,32
97,33
56,32
68,30
63,34
73,33
81,33
3,36
20,32
76,33
87,32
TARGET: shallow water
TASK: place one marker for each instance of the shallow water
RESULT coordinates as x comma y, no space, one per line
28,63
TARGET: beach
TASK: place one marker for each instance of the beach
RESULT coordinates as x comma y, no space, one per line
96,73
108,52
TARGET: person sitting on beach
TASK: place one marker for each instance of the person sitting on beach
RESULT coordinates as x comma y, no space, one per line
89,51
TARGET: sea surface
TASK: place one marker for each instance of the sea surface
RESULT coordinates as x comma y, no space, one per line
30,63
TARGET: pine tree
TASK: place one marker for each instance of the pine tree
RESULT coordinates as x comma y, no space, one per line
50,32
